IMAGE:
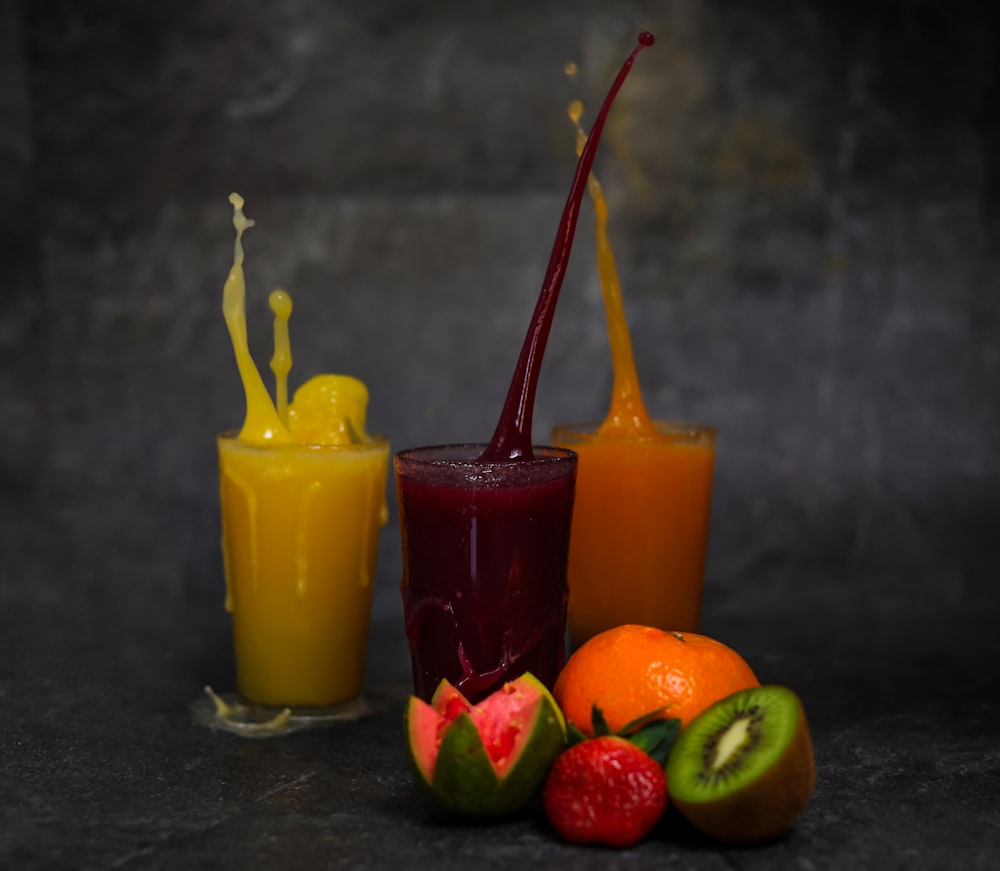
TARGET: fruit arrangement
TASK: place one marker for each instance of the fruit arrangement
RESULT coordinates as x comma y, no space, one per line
639,719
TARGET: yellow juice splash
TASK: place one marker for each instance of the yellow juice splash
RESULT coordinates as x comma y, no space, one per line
302,487
261,424
643,490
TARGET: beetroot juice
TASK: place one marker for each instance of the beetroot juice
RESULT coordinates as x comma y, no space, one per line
484,565
485,528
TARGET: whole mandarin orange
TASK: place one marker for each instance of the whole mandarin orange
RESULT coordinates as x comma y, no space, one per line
630,671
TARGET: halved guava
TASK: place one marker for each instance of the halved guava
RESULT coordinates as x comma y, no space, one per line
487,759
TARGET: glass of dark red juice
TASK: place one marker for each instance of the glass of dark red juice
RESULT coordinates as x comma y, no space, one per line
485,546
485,528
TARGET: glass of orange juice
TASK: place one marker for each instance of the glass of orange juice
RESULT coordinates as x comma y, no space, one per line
640,525
300,534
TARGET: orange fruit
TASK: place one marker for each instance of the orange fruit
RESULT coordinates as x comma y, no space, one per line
630,671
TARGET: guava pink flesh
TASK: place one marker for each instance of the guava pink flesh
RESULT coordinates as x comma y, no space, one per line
501,720
448,699
454,706
449,703
426,727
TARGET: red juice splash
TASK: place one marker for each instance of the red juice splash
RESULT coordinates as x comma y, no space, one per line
512,438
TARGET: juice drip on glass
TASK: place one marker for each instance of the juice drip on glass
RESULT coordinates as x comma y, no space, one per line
627,414
251,511
512,437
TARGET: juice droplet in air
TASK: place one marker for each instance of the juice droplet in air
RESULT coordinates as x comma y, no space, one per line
628,412
281,362
261,424
512,437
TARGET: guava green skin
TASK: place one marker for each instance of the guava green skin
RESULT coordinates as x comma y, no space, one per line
464,779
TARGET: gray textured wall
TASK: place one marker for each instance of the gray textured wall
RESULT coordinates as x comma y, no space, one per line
804,205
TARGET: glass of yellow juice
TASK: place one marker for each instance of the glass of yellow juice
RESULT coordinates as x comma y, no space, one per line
640,526
300,526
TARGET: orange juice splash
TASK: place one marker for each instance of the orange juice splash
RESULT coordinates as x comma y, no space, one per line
628,414
512,437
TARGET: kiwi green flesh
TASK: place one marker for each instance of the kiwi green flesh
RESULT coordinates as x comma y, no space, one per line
733,743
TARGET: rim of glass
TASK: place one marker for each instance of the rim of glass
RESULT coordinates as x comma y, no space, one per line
675,430
376,441
446,454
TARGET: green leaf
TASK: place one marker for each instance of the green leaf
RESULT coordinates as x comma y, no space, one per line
656,738
599,723
574,735
638,723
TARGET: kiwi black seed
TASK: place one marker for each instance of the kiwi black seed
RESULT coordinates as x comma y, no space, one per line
743,770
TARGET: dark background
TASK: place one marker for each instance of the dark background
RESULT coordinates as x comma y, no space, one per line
805,210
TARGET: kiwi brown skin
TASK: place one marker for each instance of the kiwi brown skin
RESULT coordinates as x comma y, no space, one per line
764,808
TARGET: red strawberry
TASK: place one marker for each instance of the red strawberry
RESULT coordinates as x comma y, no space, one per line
605,791
611,789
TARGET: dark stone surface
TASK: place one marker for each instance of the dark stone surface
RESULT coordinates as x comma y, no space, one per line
104,767
805,204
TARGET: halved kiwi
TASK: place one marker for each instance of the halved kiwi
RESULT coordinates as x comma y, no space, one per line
743,770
